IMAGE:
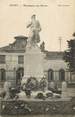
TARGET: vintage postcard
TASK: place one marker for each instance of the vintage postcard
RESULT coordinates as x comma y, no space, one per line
37,58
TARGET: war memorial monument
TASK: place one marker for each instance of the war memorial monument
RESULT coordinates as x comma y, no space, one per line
33,61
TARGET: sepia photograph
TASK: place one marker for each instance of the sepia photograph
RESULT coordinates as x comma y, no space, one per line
37,58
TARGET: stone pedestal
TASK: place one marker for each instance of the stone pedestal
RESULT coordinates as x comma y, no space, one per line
33,63
64,89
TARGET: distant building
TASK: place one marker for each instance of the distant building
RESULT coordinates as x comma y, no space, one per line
12,63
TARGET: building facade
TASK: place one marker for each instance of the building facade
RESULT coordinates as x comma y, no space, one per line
12,63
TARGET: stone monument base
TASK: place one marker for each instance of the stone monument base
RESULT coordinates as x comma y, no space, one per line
33,63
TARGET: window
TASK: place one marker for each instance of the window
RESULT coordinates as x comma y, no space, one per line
2,74
19,75
50,75
61,74
2,59
20,59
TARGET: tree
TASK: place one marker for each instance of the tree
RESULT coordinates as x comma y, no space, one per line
69,55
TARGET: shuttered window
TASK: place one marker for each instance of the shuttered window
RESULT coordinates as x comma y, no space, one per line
20,59
2,59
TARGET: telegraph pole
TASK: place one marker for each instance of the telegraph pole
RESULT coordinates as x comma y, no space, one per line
60,41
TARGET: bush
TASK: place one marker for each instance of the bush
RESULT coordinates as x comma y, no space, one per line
40,96
2,94
49,95
43,84
32,84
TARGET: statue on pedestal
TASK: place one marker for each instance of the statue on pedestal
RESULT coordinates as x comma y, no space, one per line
33,60
7,87
35,28
42,46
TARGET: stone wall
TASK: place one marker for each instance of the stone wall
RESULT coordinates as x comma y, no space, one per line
37,107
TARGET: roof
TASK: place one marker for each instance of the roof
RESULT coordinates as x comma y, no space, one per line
52,55
18,45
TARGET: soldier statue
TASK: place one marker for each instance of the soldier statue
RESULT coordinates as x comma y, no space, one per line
35,28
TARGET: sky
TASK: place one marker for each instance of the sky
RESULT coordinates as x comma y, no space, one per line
57,19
